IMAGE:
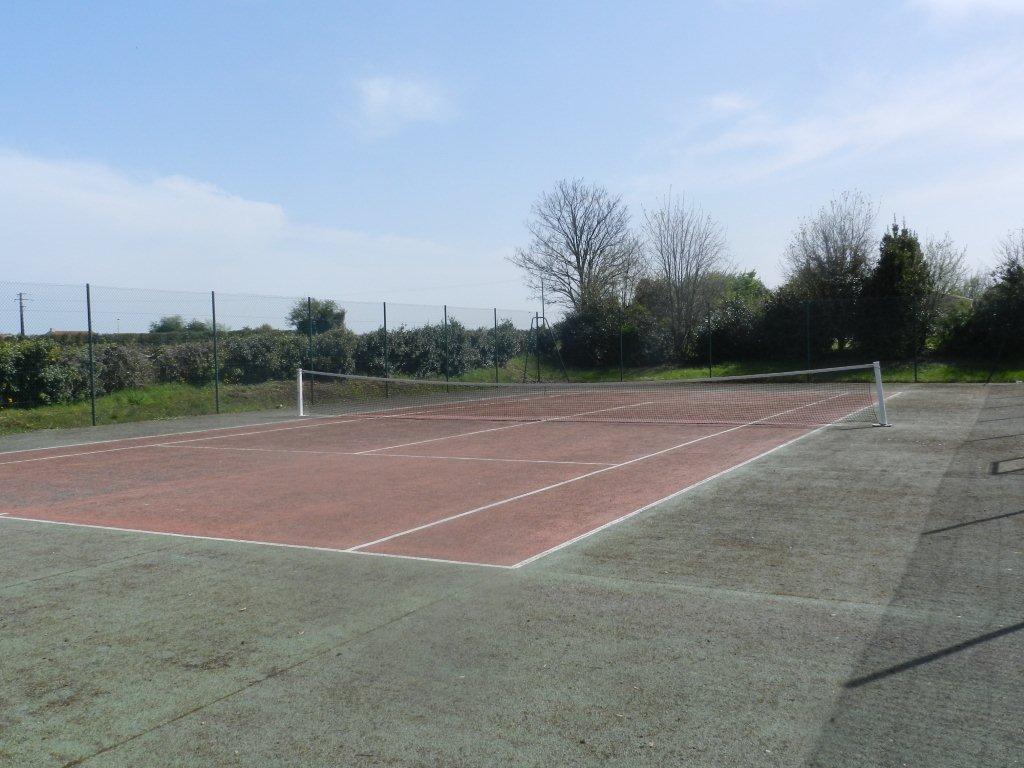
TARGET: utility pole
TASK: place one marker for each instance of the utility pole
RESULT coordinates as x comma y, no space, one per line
21,312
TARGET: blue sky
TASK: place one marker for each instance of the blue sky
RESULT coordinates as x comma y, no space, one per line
393,151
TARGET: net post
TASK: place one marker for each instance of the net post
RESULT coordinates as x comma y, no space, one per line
92,358
302,410
216,359
883,418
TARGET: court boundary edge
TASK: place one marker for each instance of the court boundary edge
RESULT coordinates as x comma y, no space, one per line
562,545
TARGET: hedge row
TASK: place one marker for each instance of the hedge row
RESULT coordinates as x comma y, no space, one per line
41,371
787,328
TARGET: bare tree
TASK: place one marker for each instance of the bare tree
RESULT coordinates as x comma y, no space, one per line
686,248
948,273
1011,247
829,258
975,284
831,252
946,265
582,247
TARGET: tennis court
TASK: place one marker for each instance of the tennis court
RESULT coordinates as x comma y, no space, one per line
491,475
850,598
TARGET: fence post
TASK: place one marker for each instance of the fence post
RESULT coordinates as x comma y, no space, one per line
807,331
915,307
387,367
495,345
309,331
622,320
92,361
536,340
216,358
446,370
710,374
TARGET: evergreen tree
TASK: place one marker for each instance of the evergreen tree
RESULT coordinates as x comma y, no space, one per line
325,314
893,303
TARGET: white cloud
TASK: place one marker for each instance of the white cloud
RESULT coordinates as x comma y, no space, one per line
941,145
959,9
728,103
969,104
73,222
388,103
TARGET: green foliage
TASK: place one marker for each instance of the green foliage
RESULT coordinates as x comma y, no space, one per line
370,353
168,324
420,352
745,288
645,341
892,309
784,335
187,363
323,314
994,326
590,336
334,351
157,401
464,350
653,294
38,371
737,329
122,367
254,357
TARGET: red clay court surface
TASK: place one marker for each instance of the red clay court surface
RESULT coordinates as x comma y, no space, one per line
488,493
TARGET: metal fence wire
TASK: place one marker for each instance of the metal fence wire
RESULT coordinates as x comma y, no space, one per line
87,345
111,354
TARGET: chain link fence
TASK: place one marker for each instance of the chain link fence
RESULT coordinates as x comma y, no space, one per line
91,354
97,354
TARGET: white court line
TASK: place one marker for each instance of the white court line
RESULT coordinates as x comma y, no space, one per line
381,455
190,440
154,445
8,516
308,423
271,430
478,458
681,491
148,437
507,426
581,477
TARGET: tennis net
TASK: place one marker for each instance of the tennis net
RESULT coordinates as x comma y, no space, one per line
793,398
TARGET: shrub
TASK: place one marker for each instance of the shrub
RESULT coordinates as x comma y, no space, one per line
257,357
39,372
123,367
326,315
464,349
737,331
369,353
188,363
334,351
645,341
590,336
